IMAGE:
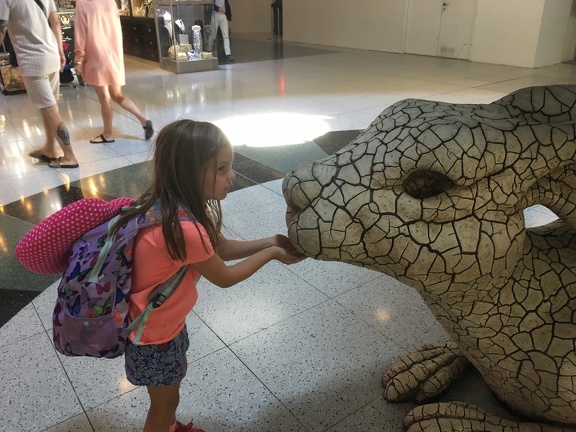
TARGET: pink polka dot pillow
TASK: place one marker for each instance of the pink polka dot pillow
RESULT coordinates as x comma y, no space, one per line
46,247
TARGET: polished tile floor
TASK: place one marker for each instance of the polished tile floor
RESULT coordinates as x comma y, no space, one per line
298,348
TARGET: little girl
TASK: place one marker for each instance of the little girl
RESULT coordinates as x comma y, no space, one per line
193,172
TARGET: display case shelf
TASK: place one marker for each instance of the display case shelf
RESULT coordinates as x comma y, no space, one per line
182,48
200,65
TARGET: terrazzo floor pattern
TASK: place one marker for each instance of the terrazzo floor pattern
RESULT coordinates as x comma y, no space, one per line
296,348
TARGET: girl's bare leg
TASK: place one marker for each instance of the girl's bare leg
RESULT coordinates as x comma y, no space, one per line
164,401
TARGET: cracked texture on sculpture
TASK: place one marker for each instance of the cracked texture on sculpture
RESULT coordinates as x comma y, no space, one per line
433,194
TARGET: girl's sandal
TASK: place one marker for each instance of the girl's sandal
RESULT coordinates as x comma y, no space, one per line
186,428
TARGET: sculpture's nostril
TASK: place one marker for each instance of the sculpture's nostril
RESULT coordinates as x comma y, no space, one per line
306,184
294,196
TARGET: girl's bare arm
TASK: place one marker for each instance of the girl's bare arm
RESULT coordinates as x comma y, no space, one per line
216,271
229,249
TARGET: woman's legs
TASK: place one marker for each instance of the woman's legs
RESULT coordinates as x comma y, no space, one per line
105,109
107,94
126,103
164,401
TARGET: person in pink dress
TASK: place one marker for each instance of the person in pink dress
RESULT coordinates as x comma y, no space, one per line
99,59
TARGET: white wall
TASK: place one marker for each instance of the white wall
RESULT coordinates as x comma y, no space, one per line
528,33
555,20
422,29
569,51
506,31
251,16
363,24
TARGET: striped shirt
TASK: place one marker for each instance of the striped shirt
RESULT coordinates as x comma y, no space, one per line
34,42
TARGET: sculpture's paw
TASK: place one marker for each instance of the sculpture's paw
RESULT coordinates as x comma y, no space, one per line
423,373
459,416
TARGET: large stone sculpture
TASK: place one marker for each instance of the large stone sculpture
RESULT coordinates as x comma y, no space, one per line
433,195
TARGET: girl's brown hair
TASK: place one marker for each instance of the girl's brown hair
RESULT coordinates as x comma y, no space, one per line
183,150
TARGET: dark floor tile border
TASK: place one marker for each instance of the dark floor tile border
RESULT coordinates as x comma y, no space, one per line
246,50
36,208
331,142
13,302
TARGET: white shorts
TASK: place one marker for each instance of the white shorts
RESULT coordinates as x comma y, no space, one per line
43,90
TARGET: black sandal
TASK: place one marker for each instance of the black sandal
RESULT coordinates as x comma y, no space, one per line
42,157
148,130
55,163
101,139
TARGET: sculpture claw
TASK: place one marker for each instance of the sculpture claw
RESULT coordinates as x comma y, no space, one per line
423,373
459,416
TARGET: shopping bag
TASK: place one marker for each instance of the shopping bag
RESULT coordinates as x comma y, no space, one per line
12,82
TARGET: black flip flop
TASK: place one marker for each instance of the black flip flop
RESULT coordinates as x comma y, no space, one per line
56,164
148,130
103,140
37,155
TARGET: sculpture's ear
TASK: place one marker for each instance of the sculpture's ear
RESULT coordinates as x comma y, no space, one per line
426,183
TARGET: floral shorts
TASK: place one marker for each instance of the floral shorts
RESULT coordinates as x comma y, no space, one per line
157,365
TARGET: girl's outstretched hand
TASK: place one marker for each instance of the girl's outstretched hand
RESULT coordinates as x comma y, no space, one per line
291,255
286,257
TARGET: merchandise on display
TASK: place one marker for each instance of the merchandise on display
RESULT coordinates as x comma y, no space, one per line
179,31
65,4
197,41
180,48
168,22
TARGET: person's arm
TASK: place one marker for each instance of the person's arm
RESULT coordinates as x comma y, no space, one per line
56,27
224,276
228,10
3,27
79,40
236,249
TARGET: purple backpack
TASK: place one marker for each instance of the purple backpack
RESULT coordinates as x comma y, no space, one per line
90,317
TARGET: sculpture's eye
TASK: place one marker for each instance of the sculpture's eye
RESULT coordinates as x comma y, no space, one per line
425,183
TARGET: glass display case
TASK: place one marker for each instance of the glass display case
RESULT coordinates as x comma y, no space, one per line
185,42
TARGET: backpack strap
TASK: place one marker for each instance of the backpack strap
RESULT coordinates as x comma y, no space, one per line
162,291
159,295
104,251
151,219
41,5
